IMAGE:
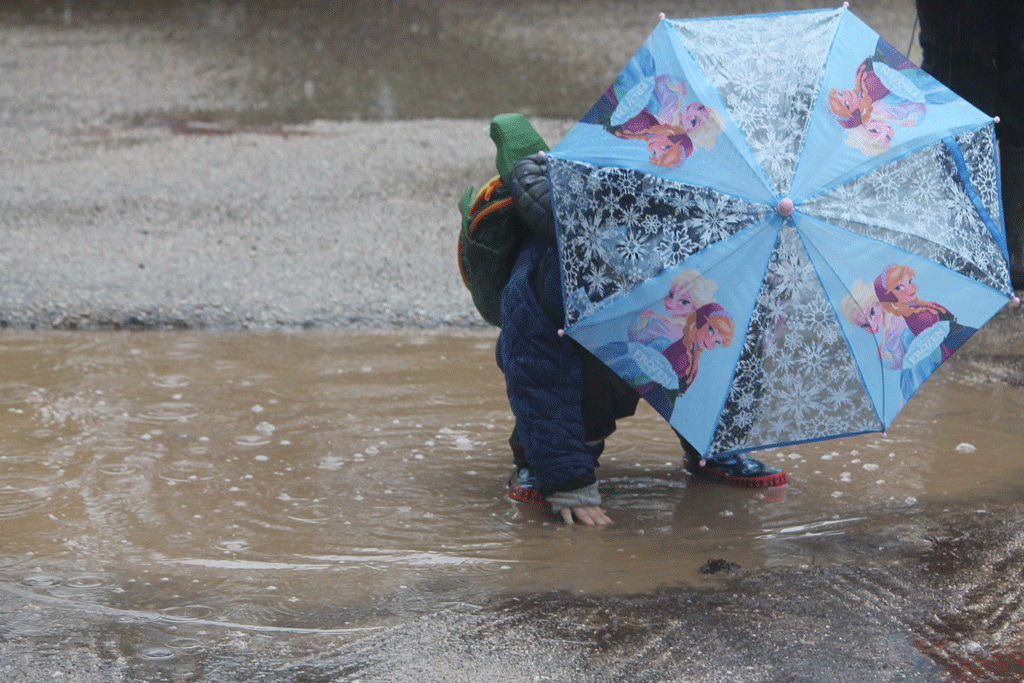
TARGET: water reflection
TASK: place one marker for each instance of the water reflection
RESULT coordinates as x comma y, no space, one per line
327,480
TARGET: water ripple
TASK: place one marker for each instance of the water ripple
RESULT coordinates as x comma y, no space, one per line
171,411
86,582
19,495
172,381
187,612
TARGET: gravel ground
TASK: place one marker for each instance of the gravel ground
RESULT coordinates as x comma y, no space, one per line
315,226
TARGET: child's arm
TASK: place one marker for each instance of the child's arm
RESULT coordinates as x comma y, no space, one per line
544,381
583,504
531,191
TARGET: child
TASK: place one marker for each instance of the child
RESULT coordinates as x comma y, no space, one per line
566,401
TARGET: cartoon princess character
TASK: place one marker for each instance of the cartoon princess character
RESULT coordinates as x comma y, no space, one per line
675,131
888,89
873,96
652,109
708,328
897,293
872,138
863,309
688,292
670,145
657,330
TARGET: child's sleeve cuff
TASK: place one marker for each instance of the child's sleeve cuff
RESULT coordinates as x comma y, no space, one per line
588,495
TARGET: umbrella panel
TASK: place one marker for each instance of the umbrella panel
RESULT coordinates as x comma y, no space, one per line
659,249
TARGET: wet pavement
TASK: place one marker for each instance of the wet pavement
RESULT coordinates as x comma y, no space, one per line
281,490
293,62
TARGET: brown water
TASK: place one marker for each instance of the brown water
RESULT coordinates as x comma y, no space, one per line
330,481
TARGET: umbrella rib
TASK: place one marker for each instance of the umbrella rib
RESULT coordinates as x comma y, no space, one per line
965,177
871,165
821,263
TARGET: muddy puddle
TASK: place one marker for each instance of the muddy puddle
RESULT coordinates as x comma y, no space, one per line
332,482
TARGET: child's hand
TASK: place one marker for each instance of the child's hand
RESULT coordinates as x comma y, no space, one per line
591,515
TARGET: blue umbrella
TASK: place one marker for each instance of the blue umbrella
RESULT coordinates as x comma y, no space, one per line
776,227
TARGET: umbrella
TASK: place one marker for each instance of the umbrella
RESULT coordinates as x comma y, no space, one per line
776,227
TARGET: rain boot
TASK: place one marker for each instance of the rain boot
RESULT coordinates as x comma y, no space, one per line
739,470
1011,161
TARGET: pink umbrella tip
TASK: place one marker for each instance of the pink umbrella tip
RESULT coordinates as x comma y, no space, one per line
846,5
561,333
996,119
1016,300
661,15
542,154
885,435
785,207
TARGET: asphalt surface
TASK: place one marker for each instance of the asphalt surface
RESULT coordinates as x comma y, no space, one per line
149,181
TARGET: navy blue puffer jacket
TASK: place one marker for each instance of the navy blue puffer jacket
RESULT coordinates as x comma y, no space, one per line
561,395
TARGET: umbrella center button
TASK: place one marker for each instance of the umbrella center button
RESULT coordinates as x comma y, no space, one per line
785,207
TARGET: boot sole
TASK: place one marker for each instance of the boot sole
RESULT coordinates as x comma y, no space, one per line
522,494
766,481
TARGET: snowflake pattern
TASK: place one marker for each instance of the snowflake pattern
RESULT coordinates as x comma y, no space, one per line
763,81
624,227
935,217
978,148
796,379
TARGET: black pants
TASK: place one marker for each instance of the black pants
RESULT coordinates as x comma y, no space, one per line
976,48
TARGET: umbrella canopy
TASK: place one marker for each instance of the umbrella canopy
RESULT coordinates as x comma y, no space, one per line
776,227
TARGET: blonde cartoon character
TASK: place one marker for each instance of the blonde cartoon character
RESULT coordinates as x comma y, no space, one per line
872,138
709,327
671,144
870,110
896,289
862,309
672,130
906,318
653,331
688,292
